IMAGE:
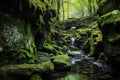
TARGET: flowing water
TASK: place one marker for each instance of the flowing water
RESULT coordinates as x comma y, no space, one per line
72,41
83,69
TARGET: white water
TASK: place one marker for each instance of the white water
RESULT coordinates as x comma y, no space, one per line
72,41
78,57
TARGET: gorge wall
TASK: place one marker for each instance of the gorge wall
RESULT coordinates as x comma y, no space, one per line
109,23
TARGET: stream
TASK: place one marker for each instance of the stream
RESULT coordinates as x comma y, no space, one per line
84,69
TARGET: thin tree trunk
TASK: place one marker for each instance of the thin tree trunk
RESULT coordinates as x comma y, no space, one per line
58,9
52,1
68,10
90,7
63,10
82,8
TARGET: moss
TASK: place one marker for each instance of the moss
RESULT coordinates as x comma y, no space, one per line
67,36
111,17
52,48
36,77
114,38
41,57
25,56
26,69
102,2
98,36
19,56
48,47
92,47
62,59
48,66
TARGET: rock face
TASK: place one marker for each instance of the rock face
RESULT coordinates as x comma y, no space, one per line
107,6
24,24
23,28
109,23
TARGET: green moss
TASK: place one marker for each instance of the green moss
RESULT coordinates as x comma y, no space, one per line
36,77
67,36
42,57
92,47
48,47
48,66
25,56
111,17
102,2
98,36
114,38
25,69
62,59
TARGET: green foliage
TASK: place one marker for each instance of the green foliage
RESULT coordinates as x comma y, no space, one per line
37,4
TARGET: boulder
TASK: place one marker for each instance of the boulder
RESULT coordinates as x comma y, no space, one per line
105,6
61,62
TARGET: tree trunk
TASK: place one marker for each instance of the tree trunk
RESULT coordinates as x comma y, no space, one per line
90,7
68,10
58,9
63,10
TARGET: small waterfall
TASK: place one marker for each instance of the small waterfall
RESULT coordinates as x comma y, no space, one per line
72,41
78,57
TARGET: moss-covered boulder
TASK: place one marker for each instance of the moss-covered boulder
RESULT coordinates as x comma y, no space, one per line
109,25
78,23
61,62
106,6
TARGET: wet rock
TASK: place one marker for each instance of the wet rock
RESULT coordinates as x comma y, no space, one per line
61,62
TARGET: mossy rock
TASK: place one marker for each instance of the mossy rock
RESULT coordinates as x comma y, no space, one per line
48,66
41,57
111,17
105,6
26,69
61,62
